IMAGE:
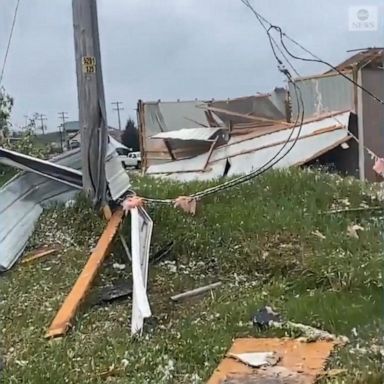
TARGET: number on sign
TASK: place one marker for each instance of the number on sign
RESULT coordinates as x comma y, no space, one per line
89,64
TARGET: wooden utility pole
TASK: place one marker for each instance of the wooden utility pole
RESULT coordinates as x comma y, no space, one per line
118,109
42,118
63,134
92,112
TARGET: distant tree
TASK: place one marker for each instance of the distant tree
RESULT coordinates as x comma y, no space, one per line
130,136
6,104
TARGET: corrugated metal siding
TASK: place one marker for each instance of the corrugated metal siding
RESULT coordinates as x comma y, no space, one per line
323,94
373,118
270,106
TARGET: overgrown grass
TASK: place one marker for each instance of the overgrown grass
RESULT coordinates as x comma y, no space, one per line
262,240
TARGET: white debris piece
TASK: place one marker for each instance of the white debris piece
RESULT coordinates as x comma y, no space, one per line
141,232
256,359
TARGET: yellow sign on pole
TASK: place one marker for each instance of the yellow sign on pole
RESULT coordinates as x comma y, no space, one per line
89,64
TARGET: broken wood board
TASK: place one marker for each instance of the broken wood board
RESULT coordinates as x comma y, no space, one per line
39,253
62,321
300,363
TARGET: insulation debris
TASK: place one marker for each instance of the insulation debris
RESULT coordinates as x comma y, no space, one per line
132,202
187,204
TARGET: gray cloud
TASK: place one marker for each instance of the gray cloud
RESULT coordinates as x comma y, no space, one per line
166,49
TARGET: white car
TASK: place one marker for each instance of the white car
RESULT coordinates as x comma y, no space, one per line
129,159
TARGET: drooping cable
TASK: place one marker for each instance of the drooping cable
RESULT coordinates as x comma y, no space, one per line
9,42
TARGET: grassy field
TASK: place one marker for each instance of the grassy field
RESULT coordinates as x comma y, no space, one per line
269,242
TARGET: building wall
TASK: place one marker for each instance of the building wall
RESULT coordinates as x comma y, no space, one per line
373,118
322,94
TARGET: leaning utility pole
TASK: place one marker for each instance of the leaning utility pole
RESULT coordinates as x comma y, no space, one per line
62,116
118,109
90,92
42,118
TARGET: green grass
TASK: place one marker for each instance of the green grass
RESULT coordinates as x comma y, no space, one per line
258,239
6,173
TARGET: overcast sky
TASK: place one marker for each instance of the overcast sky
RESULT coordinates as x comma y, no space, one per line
167,49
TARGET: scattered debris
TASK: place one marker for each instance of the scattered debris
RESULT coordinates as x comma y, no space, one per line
111,372
264,317
379,166
256,359
118,266
118,291
187,204
352,230
132,202
195,292
318,234
357,209
39,253
299,362
309,334
162,253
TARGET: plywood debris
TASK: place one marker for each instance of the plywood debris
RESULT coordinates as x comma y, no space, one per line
300,363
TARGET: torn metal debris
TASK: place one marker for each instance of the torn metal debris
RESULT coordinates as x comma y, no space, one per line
23,198
176,137
245,153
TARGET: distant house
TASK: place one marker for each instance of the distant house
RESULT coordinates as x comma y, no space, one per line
72,128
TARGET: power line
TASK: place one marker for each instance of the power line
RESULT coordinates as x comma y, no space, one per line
276,157
118,109
315,59
9,41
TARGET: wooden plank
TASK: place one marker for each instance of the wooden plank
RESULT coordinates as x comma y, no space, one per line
195,292
39,253
62,321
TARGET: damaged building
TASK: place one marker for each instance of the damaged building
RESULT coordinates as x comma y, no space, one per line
188,140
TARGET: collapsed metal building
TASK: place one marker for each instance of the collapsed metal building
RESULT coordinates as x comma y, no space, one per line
188,140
